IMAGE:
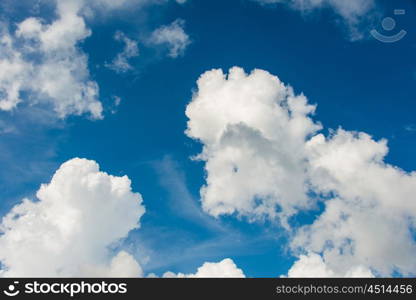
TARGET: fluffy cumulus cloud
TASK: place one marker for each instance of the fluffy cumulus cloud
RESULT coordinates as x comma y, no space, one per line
253,129
172,35
74,225
312,265
222,269
41,63
70,229
264,157
353,12
372,217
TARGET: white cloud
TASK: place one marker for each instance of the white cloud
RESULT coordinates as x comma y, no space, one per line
312,265
121,265
174,36
44,61
68,230
116,103
353,12
222,269
73,225
263,157
253,129
120,63
371,219
42,64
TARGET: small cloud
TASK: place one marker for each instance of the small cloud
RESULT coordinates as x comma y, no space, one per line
410,128
116,103
7,128
117,100
120,63
174,36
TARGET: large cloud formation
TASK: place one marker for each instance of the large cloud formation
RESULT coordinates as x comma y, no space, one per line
264,158
253,129
68,230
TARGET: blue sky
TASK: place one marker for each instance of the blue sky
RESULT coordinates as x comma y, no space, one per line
359,84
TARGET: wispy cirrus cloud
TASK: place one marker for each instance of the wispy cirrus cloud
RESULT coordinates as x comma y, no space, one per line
120,63
353,13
